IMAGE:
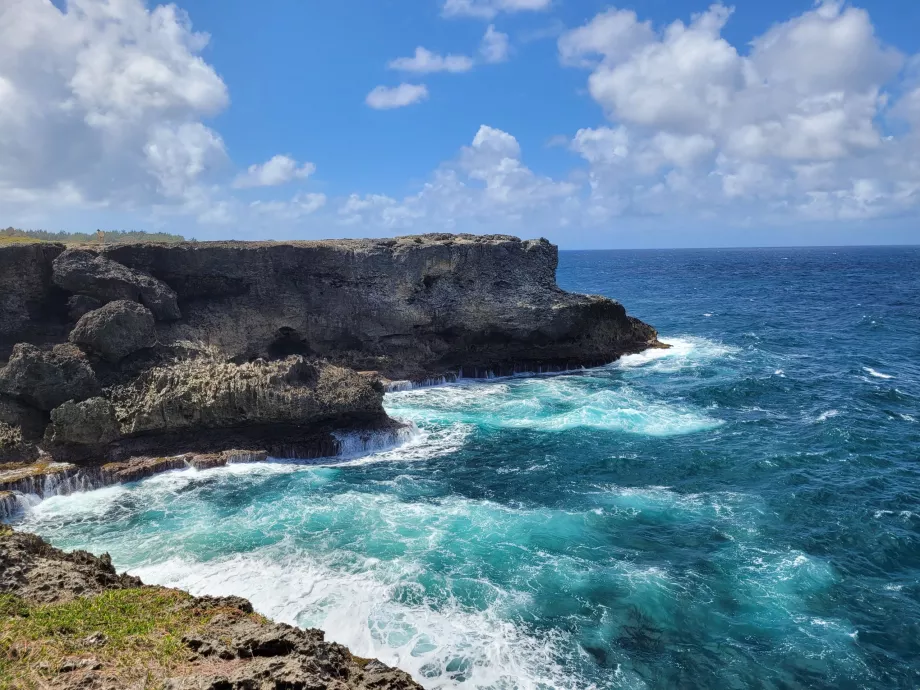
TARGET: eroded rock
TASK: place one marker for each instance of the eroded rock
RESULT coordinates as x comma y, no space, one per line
115,330
85,272
207,394
47,378
90,422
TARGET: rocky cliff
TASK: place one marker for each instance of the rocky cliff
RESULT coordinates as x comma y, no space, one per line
199,347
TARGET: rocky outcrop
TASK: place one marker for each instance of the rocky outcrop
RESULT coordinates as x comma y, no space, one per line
86,273
219,642
267,347
410,307
45,379
88,423
116,330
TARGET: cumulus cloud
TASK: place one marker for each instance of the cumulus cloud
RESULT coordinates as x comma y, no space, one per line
489,9
102,103
791,126
276,171
494,46
387,98
424,62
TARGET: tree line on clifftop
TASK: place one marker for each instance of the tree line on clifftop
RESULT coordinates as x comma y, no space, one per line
14,235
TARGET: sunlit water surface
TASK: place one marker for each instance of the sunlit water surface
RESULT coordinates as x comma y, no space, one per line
742,510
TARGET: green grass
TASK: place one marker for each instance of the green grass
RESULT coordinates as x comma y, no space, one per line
143,631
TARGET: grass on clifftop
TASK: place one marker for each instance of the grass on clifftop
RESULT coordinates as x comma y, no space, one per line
133,635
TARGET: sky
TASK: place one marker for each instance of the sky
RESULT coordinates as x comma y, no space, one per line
655,123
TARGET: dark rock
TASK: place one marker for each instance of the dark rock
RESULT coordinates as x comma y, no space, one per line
29,420
115,330
78,305
47,378
28,298
409,307
85,272
91,422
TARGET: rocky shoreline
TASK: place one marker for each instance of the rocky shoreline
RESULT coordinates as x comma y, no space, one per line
147,350
69,621
118,363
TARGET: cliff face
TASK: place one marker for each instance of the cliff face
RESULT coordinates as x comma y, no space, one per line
209,345
411,307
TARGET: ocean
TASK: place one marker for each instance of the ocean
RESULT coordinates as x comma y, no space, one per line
740,511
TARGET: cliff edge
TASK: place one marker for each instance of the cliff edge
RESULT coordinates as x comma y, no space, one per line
68,621
200,347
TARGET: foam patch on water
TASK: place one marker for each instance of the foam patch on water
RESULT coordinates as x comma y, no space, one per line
686,351
550,405
449,645
877,374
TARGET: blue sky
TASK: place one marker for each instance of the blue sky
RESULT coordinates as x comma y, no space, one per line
596,125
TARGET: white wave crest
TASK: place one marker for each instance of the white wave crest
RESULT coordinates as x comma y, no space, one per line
877,374
686,351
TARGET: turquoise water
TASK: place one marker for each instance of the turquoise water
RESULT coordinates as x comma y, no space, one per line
742,510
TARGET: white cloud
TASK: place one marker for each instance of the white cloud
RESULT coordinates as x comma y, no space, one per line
104,100
494,46
489,9
386,98
276,171
425,62
299,206
788,126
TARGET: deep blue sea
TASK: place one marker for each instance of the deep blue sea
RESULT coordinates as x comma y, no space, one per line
740,511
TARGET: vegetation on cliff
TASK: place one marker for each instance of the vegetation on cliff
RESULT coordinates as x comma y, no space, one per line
13,235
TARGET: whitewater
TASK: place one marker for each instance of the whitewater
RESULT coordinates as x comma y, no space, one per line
740,510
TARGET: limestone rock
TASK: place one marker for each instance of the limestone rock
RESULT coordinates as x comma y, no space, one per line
47,378
91,422
115,330
207,394
85,272
78,305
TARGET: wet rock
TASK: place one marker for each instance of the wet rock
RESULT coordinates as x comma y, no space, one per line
85,272
90,422
115,330
78,305
45,379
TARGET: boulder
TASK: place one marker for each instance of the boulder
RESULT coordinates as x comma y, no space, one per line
45,379
115,330
85,272
78,305
88,423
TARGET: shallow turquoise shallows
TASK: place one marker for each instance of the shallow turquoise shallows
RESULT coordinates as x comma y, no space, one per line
740,511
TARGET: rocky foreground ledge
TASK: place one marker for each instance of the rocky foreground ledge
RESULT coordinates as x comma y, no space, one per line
69,621
148,350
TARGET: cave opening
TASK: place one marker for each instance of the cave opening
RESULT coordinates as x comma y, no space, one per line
288,342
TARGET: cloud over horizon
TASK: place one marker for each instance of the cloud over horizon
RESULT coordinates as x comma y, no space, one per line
110,107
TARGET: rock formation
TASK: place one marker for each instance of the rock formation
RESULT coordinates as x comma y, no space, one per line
83,608
115,330
200,347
